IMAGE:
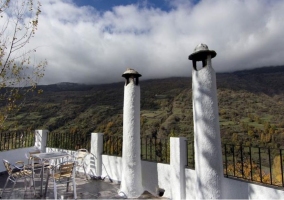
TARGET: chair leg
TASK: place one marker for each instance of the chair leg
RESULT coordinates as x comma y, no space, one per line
55,190
85,172
74,188
32,184
25,182
33,177
74,183
46,185
67,186
42,171
12,190
4,187
76,170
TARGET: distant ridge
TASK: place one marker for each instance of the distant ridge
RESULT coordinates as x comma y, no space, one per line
68,83
79,86
271,69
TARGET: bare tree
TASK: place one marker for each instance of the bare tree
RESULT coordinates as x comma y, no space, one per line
19,73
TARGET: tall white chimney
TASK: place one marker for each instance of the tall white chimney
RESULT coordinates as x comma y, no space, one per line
131,179
207,139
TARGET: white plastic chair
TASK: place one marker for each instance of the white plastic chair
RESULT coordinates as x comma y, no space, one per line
80,160
62,173
17,172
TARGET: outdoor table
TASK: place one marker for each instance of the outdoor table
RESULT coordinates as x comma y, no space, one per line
48,156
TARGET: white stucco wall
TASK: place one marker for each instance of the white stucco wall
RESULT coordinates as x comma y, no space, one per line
233,189
262,192
154,175
237,189
150,176
157,175
41,139
190,179
178,163
112,167
15,155
164,181
96,151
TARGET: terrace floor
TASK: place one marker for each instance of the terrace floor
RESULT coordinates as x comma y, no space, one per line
86,189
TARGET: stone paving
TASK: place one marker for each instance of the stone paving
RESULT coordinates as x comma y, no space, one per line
86,189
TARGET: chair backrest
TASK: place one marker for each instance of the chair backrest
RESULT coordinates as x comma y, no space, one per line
66,169
80,155
64,172
36,160
8,166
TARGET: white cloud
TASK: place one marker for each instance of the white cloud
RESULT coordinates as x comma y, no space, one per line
84,45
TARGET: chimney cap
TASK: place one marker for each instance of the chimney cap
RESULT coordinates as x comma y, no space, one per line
129,72
200,52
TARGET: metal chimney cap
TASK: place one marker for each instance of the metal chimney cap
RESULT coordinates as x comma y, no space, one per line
200,53
129,72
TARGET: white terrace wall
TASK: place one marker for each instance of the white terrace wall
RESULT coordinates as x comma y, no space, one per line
20,154
158,175
155,175
15,155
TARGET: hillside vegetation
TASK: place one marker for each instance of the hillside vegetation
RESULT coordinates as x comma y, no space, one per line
250,108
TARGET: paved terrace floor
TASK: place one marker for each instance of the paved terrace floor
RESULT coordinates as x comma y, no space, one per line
86,189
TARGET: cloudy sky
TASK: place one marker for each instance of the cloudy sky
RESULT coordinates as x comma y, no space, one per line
94,41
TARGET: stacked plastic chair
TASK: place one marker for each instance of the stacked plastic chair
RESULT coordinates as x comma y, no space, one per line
80,160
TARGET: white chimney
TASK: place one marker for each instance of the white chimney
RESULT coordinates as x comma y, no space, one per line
207,139
131,178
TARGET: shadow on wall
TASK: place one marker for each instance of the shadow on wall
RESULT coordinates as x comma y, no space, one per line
39,140
256,191
112,168
235,189
150,178
190,179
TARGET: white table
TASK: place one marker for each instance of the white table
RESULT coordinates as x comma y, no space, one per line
48,156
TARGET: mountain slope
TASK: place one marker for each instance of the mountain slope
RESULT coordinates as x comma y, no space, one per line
250,107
